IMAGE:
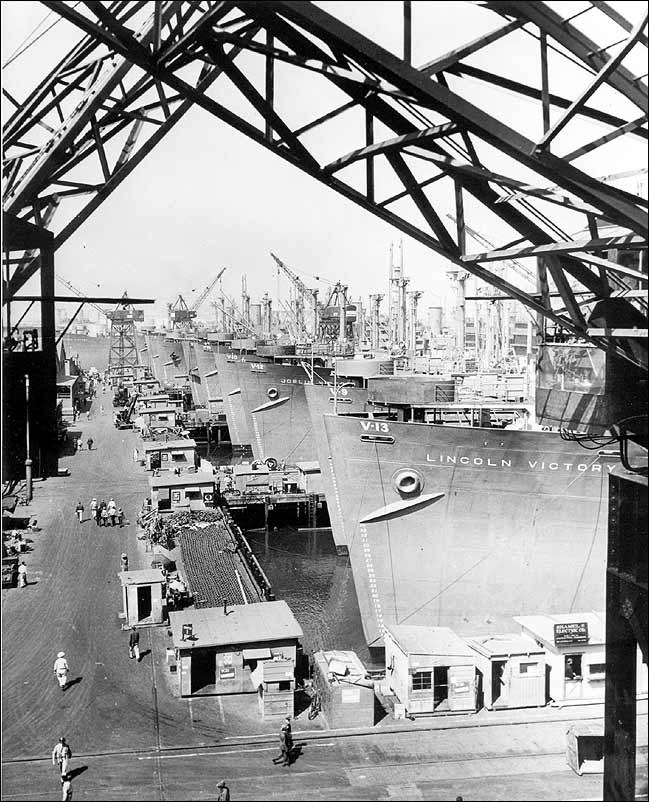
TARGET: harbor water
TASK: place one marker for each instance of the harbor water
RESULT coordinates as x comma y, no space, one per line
316,582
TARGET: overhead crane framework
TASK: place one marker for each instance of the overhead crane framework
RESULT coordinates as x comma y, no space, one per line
127,83
141,66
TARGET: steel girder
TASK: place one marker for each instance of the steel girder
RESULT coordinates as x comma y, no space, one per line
143,65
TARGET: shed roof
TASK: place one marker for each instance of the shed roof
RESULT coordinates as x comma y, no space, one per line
245,623
166,445
429,640
156,410
495,645
309,466
68,380
145,576
541,627
246,469
184,480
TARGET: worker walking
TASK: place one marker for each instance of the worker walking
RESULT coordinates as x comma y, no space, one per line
22,575
134,644
61,755
90,442
285,745
66,788
93,509
224,792
79,511
124,562
61,669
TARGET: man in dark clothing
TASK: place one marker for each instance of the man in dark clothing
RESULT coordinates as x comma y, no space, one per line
134,644
90,442
224,792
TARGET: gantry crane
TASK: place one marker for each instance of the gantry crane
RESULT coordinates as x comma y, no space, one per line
181,315
303,293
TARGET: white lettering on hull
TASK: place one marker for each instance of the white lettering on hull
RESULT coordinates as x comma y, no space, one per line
503,462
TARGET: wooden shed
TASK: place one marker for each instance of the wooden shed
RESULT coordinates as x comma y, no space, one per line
169,454
575,646
192,491
344,689
511,671
218,651
430,669
159,418
142,595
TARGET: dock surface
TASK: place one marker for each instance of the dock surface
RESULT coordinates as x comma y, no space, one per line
133,739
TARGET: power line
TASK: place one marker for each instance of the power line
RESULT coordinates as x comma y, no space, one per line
19,52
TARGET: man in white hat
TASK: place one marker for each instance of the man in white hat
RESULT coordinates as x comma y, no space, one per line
61,669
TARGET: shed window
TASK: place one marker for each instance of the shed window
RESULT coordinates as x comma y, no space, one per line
284,685
192,493
531,669
422,681
162,418
597,670
572,668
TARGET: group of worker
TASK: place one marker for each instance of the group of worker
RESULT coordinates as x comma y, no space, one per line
104,514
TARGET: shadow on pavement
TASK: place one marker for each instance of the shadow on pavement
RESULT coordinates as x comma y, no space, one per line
72,773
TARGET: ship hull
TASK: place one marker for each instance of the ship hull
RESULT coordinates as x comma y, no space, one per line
276,410
230,384
467,527
320,400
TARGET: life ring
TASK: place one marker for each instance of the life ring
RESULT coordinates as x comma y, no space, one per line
272,463
272,393
208,497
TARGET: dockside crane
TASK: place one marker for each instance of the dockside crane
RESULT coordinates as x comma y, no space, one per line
181,315
81,294
303,294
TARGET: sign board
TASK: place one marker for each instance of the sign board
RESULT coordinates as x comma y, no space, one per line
570,633
350,696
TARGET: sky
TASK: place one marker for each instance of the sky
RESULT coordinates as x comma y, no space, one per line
207,197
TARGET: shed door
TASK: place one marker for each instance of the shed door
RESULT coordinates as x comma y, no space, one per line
203,669
143,602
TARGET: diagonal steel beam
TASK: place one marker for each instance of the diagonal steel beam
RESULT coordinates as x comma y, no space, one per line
574,41
455,107
421,201
444,62
397,143
529,91
603,75
605,244
602,140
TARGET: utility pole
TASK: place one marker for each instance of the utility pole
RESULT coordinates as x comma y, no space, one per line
28,460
